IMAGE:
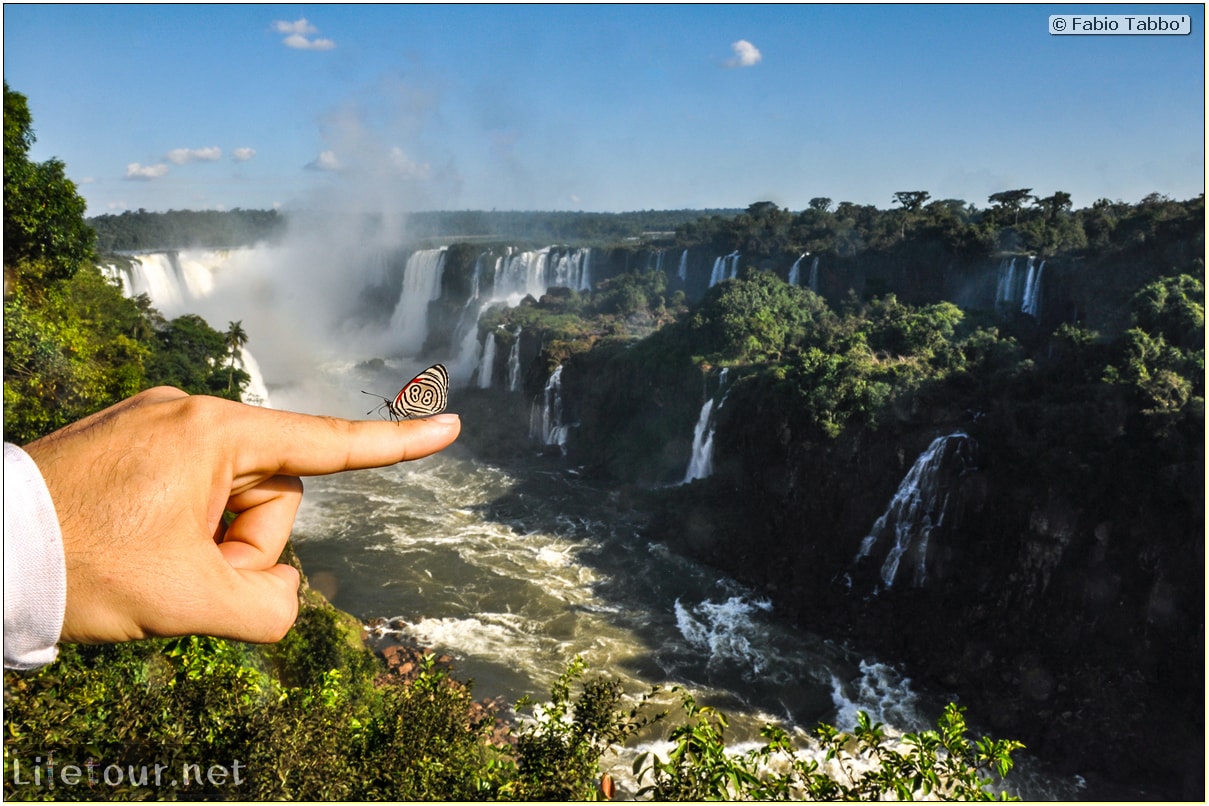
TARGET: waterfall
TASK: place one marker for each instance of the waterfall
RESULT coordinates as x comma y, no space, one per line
466,334
701,463
1031,304
570,269
814,275
725,268
514,363
919,506
534,272
421,285
546,417
655,257
174,280
514,275
487,364
255,393
794,273
169,281
682,271
1007,276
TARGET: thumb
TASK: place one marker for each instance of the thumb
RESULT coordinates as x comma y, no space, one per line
256,606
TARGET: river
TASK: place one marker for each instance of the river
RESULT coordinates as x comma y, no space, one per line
516,568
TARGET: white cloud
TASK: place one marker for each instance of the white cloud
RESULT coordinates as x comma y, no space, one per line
145,172
746,54
298,35
243,154
300,26
326,161
407,167
183,156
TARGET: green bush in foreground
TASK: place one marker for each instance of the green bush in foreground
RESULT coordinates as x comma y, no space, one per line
865,765
202,718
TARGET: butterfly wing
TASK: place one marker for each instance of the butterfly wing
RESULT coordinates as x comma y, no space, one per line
424,395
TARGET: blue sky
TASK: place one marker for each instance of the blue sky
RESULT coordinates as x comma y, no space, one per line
602,107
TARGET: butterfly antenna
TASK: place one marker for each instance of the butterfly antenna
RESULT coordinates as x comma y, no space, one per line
385,402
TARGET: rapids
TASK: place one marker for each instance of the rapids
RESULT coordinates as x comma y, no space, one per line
516,568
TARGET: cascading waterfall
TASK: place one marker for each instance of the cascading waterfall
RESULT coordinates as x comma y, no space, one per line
514,363
546,417
533,273
255,393
919,507
421,285
466,334
656,258
514,275
487,364
701,463
1020,289
173,280
682,271
794,270
795,273
1005,288
725,268
1031,304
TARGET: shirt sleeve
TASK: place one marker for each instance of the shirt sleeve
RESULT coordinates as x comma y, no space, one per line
35,573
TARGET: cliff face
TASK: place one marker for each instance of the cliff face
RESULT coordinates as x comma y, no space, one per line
1055,589
1016,511
1029,541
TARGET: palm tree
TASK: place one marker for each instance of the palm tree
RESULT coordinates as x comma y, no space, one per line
235,338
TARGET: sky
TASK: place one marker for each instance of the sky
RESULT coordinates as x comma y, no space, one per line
602,107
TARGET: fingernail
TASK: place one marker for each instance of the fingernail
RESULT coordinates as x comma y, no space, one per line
445,419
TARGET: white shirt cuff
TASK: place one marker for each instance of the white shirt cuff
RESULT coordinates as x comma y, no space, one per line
35,572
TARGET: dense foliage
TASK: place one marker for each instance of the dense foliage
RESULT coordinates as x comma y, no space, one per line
134,231
866,765
1015,221
315,718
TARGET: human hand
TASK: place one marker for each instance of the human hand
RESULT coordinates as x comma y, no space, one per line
140,490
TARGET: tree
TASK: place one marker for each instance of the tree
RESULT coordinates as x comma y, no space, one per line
820,203
45,235
235,338
911,200
1011,200
1055,204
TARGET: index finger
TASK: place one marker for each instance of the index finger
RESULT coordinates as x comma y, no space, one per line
281,442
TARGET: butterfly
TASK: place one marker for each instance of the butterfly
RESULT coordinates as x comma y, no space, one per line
422,396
